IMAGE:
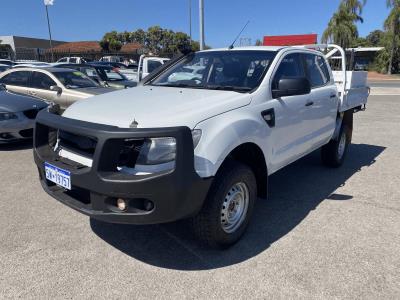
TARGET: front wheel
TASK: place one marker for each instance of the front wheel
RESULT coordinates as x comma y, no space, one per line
334,153
228,207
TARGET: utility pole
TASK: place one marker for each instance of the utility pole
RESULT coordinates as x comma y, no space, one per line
190,20
201,8
46,4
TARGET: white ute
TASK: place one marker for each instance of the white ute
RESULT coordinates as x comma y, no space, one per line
200,148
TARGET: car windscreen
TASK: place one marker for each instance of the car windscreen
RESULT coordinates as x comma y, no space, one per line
109,74
74,79
236,70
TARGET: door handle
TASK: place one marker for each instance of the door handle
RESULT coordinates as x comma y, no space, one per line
310,103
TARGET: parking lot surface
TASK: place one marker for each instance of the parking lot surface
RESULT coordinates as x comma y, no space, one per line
323,233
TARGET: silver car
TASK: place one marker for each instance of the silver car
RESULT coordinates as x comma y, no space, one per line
54,85
17,115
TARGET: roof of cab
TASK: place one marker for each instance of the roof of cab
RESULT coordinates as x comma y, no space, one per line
249,48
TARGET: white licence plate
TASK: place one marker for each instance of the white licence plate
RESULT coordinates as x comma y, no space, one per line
58,176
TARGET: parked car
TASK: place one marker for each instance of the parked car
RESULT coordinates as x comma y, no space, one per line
57,85
112,76
17,115
116,65
104,75
202,148
146,65
4,67
73,60
32,64
113,59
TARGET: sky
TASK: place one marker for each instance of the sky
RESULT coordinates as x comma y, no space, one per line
84,20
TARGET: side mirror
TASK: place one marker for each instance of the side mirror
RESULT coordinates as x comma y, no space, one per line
56,88
292,87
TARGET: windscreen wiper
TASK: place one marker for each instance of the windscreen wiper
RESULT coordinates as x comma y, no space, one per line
229,88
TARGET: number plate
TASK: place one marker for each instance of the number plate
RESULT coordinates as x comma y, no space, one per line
58,176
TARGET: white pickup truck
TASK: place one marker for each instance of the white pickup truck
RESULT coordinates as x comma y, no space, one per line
146,65
200,148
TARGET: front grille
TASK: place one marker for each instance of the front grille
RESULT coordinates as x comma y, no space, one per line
77,143
31,113
26,133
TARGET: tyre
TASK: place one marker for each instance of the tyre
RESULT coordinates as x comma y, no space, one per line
334,153
228,207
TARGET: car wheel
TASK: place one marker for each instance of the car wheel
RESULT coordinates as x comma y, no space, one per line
228,207
334,153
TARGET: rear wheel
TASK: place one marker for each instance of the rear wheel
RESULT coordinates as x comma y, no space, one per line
228,207
334,153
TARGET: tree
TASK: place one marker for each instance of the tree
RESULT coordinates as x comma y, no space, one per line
392,26
341,28
355,7
156,40
111,41
138,36
375,38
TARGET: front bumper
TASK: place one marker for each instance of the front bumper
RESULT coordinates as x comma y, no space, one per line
18,129
173,195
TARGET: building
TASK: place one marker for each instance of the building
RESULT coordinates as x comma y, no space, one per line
26,47
363,57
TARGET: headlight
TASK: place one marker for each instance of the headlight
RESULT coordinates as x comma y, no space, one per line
4,116
157,151
196,135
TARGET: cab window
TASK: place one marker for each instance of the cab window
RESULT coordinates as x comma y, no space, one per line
152,65
41,81
290,67
19,78
317,70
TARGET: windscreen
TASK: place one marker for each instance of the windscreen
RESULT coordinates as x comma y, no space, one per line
74,80
234,70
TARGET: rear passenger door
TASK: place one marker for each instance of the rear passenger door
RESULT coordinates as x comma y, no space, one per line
292,128
323,111
17,81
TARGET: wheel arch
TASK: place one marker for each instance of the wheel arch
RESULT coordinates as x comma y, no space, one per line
251,155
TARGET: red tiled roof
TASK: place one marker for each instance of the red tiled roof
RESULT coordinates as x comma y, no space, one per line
85,46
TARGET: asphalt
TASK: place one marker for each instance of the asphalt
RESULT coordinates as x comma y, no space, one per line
323,234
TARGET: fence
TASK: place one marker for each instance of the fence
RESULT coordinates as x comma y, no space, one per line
46,55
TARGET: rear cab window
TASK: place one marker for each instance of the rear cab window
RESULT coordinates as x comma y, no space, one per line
317,70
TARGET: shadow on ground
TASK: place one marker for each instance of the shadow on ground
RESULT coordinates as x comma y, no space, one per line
14,146
294,192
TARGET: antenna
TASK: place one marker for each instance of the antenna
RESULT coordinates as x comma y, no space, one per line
233,44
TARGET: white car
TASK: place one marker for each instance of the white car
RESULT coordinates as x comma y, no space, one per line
147,64
72,60
200,148
31,64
